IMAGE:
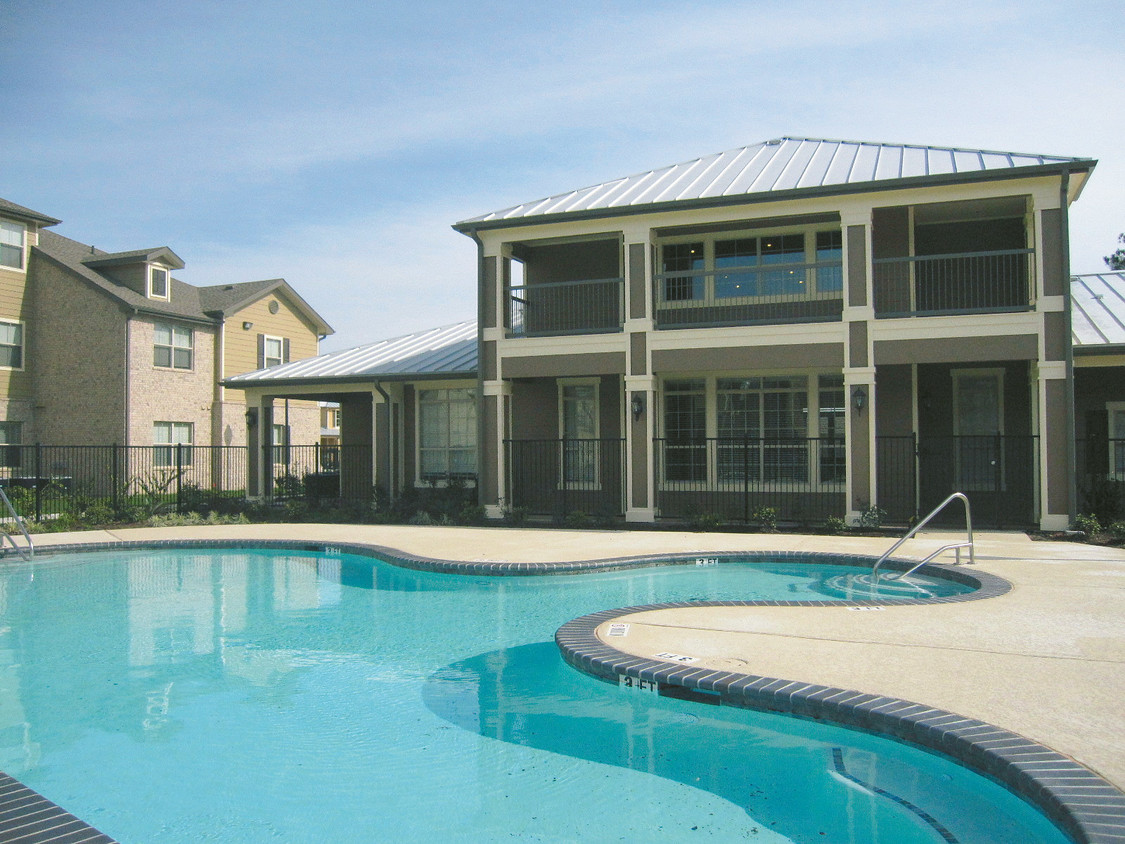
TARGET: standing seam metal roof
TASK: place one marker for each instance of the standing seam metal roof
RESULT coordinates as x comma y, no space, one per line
1097,316
776,165
449,350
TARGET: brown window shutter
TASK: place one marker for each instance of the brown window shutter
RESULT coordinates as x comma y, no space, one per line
285,350
261,351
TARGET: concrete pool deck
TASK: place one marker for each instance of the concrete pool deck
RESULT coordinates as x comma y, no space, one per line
1046,660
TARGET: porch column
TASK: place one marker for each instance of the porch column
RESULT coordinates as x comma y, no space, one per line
1055,436
640,415
859,362
492,470
640,385
259,425
1055,394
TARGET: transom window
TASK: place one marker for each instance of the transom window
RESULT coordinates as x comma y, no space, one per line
157,283
166,436
752,267
13,238
172,346
11,345
447,433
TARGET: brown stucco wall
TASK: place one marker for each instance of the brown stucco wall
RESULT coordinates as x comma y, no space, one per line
957,349
812,355
893,401
564,366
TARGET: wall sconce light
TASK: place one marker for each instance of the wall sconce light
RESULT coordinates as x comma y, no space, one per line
859,399
637,405
246,326
252,417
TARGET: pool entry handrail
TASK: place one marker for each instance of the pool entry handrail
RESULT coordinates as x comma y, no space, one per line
953,546
26,552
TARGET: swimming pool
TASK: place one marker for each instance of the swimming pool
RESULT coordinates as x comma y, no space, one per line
253,695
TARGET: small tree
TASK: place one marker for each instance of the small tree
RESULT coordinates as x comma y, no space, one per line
1116,261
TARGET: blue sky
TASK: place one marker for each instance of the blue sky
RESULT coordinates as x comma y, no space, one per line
334,143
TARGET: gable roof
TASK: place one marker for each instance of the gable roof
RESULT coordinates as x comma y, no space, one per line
228,299
10,209
198,304
137,256
776,168
1097,317
74,257
449,351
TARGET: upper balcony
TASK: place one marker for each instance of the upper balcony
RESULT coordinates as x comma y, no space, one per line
950,258
993,281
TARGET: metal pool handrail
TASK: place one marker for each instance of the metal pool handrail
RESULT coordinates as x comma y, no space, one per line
28,552
953,546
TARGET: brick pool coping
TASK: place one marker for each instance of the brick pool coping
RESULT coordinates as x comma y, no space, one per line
1090,809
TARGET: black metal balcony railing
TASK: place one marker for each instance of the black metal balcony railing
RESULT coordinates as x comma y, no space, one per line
750,295
595,306
801,479
968,282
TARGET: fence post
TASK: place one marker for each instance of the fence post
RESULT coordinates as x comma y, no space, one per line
746,480
179,477
114,478
38,482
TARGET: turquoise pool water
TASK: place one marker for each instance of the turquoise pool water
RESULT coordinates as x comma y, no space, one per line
254,696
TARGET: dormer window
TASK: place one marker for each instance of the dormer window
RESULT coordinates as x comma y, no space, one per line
13,238
157,283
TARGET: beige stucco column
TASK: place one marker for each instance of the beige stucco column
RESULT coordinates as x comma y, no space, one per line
859,362
1055,367
640,383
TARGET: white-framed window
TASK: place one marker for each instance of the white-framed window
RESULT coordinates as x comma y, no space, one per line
11,438
978,422
280,440
763,428
447,433
13,245
747,267
779,430
272,351
685,429
158,283
172,346
11,344
166,436
1115,410
579,430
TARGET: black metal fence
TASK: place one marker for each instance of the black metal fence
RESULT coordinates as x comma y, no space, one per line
561,477
46,481
801,480
998,473
1100,478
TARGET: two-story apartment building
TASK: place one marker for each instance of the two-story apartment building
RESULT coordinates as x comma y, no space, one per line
107,348
819,327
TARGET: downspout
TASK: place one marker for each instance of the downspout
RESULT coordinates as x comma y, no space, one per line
125,439
1071,447
480,369
390,442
